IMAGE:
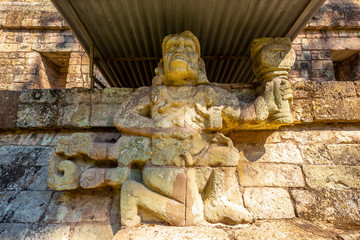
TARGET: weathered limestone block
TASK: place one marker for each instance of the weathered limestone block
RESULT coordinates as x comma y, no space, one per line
339,177
75,96
103,115
36,115
5,204
339,207
115,95
270,153
49,96
93,231
316,154
28,206
302,110
165,233
14,177
81,206
273,203
8,108
346,154
310,136
75,115
14,230
24,155
270,175
331,154
50,231
283,230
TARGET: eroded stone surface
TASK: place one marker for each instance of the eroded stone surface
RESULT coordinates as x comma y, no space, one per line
272,153
93,232
288,230
78,207
339,177
49,232
270,175
24,155
338,207
269,203
28,206
164,233
316,154
13,230
177,125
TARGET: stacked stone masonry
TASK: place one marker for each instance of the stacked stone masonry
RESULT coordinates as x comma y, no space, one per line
299,182
309,172
38,50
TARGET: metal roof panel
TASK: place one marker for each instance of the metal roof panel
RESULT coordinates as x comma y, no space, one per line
127,34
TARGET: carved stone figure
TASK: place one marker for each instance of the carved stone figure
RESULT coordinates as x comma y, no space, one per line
174,133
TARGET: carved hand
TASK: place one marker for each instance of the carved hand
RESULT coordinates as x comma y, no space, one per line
278,97
212,115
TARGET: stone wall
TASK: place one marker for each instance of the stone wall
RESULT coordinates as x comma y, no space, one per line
291,178
34,35
299,182
37,48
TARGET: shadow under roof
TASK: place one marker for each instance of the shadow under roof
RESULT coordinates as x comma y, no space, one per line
127,34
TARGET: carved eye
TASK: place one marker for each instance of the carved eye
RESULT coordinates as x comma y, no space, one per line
189,48
171,48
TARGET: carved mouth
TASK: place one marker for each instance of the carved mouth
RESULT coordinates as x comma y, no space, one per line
180,57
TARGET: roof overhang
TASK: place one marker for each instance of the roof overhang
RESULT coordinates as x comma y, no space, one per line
126,35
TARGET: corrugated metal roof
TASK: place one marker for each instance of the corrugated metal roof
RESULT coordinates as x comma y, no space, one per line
127,34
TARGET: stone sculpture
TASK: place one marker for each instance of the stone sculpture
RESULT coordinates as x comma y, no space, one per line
174,134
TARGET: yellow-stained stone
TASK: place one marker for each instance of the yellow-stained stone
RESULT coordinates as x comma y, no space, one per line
270,175
273,203
339,177
173,130
93,231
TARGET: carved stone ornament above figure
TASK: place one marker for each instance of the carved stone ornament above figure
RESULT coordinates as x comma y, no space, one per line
174,139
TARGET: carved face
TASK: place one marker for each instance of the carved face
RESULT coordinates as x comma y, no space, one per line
180,61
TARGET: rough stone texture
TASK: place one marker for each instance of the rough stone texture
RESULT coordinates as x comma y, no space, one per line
93,232
270,175
271,153
289,230
37,48
24,155
272,203
28,206
75,115
13,230
280,229
338,207
103,115
8,108
331,154
316,154
162,233
88,206
346,154
317,99
337,177
51,231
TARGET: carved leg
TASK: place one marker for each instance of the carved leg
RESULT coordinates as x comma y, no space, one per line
223,200
135,195
98,177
